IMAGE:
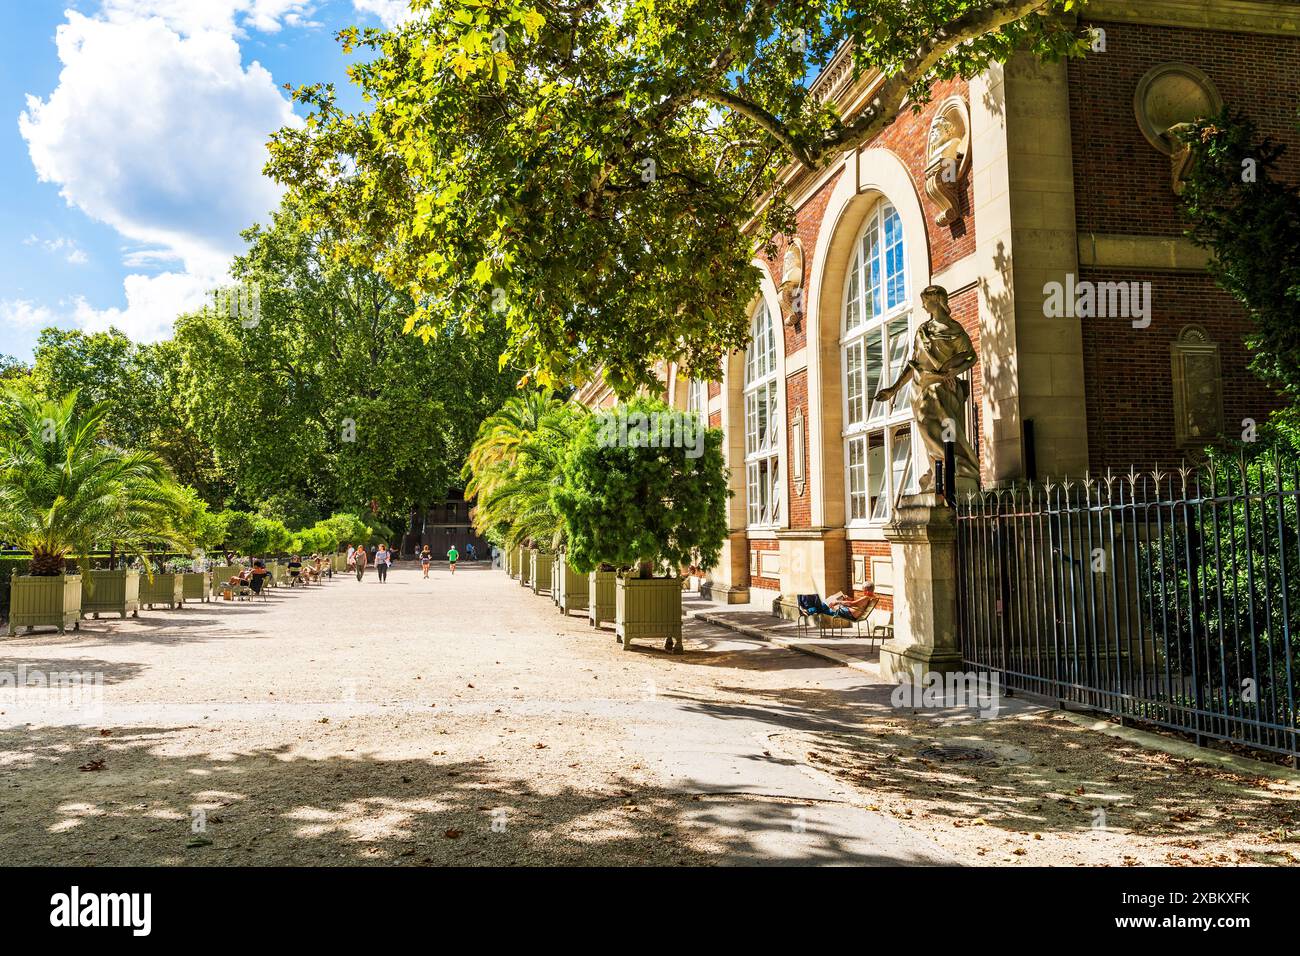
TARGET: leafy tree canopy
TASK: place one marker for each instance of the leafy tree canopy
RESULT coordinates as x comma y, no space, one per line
138,384
318,400
590,171
1250,219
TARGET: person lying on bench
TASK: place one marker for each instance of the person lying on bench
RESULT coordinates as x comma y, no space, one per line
850,609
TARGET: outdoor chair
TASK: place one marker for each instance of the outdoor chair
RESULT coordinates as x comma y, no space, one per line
811,607
257,585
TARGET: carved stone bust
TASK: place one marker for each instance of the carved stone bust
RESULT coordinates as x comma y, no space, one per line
792,280
948,158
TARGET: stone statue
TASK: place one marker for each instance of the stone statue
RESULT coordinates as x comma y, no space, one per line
941,351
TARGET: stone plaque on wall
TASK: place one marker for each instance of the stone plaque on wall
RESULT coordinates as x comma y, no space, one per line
1198,388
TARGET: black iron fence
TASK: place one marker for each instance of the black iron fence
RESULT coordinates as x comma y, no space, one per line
1167,597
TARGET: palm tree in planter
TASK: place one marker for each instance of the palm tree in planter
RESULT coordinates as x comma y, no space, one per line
63,488
644,487
518,502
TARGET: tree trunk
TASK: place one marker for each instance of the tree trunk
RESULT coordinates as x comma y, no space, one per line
46,564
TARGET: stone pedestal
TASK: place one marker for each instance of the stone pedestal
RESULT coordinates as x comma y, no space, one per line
729,581
922,543
813,561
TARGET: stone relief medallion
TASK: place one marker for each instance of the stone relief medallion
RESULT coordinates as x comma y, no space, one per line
1167,98
947,159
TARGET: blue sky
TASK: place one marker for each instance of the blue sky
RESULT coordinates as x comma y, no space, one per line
132,133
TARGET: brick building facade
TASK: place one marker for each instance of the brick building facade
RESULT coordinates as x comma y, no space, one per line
1060,178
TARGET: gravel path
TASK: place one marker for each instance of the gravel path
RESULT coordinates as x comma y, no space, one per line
464,720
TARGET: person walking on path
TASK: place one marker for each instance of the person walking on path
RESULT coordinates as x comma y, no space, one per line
360,560
452,557
426,556
383,558
352,553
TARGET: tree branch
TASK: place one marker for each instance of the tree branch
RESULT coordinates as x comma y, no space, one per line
765,120
884,106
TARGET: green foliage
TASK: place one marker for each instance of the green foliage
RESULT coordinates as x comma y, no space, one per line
349,528
64,488
589,172
324,403
1250,219
518,497
1213,585
204,527
637,494
289,508
139,385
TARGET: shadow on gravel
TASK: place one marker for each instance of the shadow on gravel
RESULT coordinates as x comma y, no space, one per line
139,806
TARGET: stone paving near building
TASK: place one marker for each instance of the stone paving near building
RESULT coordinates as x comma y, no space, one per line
463,720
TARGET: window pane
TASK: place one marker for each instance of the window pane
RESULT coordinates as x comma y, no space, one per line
898,346
901,465
893,259
871,271
853,381
751,484
877,499
774,491
875,361
853,309
857,479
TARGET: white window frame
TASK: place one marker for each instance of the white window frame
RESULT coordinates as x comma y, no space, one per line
871,307
762,416
697,398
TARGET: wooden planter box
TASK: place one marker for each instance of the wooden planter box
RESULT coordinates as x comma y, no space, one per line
219,576
194,586
527,561
111,592
163,589
601,597
44,602
543,565
514,561
649,607
572,590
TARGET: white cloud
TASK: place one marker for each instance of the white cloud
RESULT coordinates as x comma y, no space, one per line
60,245
152,303
25,314
229,17
391,13
158,129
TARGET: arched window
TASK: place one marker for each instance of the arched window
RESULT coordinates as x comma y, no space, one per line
762,422
876,337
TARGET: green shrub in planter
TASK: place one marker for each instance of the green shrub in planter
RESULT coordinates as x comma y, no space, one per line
44,601
165,588
111,592
644,486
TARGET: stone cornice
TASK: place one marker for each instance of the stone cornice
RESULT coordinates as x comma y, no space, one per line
1230,16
